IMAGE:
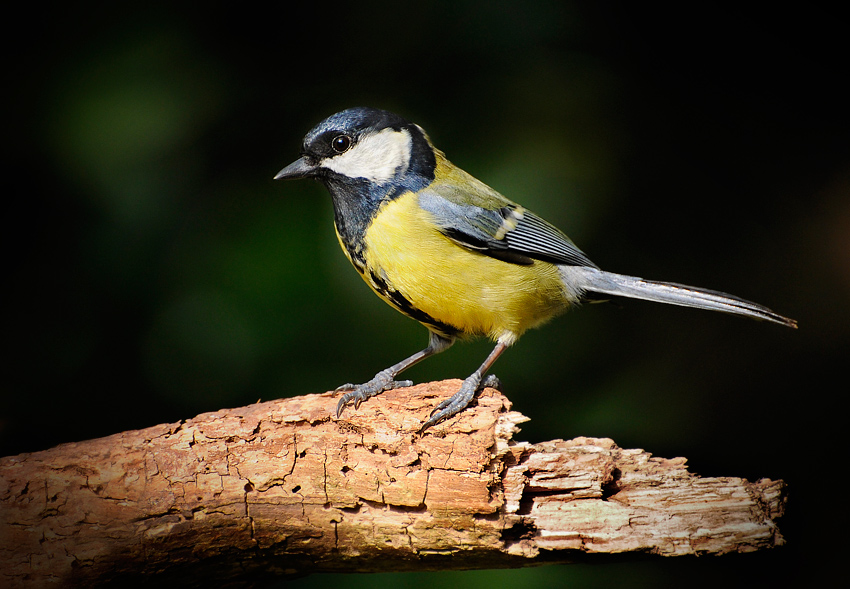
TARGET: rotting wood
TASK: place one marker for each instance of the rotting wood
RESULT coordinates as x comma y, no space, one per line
284,488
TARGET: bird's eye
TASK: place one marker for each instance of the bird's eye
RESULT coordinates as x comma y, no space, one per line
341,143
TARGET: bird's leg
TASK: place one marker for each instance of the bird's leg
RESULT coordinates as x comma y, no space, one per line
457,402
385,379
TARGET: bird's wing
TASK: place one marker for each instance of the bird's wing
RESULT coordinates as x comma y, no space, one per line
479,218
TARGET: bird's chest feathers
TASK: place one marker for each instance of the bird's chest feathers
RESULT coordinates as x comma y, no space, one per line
405,253
401,247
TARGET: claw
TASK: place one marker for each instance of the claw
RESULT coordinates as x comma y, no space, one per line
459,401
346,399
383,381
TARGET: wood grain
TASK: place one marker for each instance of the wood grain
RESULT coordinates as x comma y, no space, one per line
284,488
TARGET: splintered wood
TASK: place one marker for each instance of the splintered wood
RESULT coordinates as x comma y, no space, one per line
284,488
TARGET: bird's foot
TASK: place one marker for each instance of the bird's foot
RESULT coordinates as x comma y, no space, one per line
357,393
459,401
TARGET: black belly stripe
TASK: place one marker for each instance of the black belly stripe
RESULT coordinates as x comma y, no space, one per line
400,302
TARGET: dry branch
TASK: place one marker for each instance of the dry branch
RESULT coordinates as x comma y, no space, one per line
284,488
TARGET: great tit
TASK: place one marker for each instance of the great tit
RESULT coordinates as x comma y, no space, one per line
452,253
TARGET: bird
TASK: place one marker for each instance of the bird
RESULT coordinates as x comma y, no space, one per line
448,251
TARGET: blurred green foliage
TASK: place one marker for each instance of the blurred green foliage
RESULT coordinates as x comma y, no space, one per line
156,270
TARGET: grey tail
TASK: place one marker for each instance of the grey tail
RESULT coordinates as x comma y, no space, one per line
597,281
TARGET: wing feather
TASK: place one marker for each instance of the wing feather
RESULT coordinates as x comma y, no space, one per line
483,220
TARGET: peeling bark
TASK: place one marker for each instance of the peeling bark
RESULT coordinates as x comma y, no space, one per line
284,488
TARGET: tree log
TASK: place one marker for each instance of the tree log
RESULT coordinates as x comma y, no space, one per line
285,488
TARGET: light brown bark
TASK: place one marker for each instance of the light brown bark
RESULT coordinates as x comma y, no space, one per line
284,487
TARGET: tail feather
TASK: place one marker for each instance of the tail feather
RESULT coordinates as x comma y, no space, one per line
599,281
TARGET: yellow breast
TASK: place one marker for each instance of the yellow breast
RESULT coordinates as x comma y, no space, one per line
476,294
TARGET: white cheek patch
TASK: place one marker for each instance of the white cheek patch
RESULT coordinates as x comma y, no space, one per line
377,157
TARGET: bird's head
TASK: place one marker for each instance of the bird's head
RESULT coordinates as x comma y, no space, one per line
365,145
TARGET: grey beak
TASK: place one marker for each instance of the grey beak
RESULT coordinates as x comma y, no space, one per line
300,168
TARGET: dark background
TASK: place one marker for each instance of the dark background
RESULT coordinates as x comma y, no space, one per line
155,270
